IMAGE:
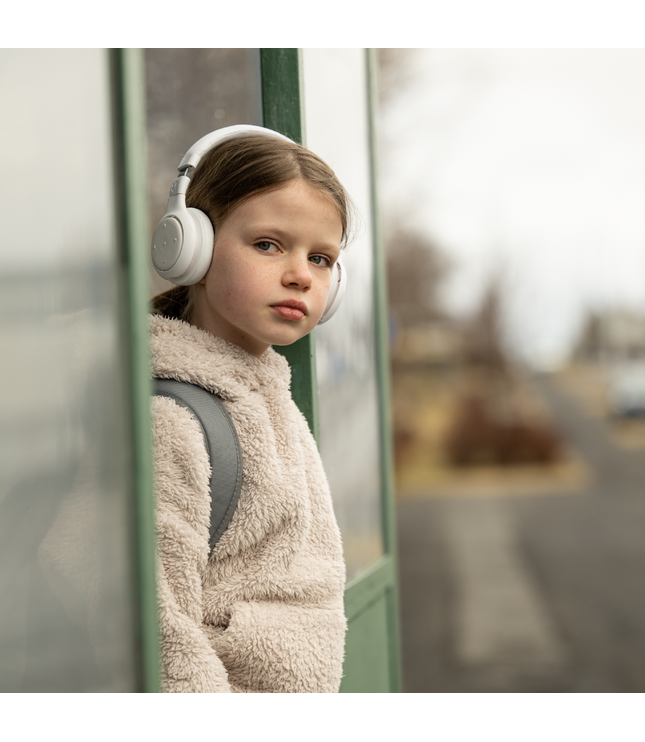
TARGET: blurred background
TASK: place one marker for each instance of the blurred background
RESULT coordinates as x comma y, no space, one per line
512,188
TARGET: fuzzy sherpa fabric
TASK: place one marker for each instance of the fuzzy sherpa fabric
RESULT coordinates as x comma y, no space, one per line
264,612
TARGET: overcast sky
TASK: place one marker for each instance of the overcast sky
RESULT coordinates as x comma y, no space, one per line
531,161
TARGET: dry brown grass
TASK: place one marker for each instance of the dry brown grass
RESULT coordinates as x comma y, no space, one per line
424,401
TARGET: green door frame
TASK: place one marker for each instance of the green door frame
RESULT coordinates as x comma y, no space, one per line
371,598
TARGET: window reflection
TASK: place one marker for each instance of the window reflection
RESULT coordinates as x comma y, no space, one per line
190,92
66,597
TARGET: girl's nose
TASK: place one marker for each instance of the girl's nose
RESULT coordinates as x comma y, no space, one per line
298,274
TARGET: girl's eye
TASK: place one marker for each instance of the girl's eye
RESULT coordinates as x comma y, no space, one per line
265,246
322,260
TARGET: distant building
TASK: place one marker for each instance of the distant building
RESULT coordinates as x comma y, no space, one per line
622,336
611,337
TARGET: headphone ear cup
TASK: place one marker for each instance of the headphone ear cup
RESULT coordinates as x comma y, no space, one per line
204,238
192,233
336,292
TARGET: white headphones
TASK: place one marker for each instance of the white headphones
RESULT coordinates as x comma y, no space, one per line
182,245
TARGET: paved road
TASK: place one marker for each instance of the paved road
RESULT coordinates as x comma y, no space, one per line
530,594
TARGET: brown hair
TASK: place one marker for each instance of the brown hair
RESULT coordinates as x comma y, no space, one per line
239,169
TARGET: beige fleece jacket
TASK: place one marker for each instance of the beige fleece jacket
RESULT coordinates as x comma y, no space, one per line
263,613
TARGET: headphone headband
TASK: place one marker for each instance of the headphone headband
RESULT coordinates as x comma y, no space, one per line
215,138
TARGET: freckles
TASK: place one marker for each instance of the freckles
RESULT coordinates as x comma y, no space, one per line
227,299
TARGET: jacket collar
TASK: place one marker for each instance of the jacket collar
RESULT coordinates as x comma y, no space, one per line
184,352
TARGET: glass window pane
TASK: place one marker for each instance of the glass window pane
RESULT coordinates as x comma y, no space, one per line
191,92
336,128
66,595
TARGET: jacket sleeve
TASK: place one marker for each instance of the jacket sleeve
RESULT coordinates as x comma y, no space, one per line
182,473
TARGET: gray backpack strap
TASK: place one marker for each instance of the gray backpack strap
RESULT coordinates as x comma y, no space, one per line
222,444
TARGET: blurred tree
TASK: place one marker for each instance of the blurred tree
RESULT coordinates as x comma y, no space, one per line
416,269
491,423
589,343
483,333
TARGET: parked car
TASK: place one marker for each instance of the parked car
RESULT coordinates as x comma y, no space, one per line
626,389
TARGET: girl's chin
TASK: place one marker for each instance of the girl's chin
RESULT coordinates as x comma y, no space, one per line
283,339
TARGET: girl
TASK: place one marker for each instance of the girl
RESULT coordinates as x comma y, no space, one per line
264,611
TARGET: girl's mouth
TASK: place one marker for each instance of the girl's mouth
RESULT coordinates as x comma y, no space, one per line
290,309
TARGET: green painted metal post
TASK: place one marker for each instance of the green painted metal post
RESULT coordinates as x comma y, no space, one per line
281,71
129,106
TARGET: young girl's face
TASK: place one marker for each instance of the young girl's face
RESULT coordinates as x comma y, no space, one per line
271,271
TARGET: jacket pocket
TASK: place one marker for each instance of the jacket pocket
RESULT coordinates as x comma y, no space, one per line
280,648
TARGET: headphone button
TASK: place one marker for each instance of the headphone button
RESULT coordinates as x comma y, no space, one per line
166,243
